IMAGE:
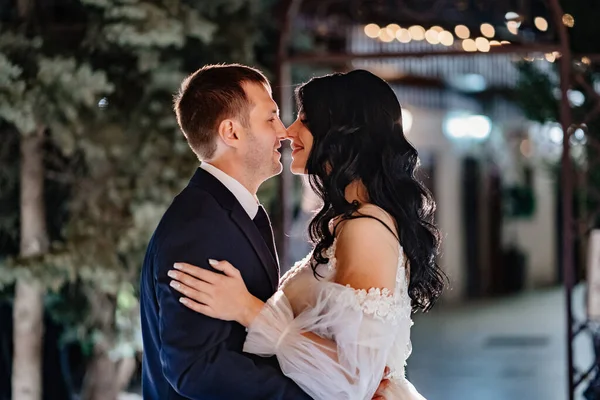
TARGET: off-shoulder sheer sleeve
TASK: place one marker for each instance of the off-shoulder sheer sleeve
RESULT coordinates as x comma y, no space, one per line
360,327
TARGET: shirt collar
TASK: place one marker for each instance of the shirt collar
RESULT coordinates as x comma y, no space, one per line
248,201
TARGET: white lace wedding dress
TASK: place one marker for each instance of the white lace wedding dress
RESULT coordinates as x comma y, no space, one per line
367,330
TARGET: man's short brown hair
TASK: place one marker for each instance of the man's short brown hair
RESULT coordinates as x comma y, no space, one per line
210,95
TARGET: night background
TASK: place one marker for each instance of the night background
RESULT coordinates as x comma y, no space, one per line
500,97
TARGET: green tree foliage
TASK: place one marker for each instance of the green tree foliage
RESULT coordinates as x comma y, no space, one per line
99,76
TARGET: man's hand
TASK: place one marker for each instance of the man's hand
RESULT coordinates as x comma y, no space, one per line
383,386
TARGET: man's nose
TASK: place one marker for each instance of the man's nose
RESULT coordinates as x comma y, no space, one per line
282,132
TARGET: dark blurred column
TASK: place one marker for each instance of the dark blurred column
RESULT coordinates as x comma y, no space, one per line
471,209
495,227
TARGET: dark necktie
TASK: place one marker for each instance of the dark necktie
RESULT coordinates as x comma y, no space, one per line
264,226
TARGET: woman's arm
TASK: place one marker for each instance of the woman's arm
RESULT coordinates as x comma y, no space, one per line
347,331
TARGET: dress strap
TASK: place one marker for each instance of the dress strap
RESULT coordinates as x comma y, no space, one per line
371,217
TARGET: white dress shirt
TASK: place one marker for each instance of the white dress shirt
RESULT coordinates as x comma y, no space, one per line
248,201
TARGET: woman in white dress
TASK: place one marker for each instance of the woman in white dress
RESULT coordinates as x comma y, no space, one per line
343,313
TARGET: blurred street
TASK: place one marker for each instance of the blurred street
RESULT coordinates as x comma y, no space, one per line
502,349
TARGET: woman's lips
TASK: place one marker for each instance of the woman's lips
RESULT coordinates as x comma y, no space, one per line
296,149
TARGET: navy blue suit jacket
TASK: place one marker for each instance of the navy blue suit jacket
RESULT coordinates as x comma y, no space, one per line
188,355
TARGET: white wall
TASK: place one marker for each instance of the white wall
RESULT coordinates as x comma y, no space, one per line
426,135
537,235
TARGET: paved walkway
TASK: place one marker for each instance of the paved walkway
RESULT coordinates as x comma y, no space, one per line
505,349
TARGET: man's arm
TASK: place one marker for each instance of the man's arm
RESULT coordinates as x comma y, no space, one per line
194,354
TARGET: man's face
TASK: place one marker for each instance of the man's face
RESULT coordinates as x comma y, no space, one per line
264,134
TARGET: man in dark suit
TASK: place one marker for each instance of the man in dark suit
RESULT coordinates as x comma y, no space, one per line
231,122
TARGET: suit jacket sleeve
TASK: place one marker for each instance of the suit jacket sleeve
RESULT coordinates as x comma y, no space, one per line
195,358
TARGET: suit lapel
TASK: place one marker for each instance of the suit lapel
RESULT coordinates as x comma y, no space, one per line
239,216
227,200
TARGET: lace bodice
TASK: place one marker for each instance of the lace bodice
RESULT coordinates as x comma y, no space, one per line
366,330
382,304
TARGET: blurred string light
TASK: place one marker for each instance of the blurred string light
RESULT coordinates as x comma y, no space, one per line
446,38
403,35
372,30
568,20
432,36
482,44
513,22
541,23
513,27
103,103
469,45
487,30
550,57
462,32
586,60
435,35
392,29
386,36
417,32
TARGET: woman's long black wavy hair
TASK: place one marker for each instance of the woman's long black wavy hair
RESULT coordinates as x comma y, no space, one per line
356,123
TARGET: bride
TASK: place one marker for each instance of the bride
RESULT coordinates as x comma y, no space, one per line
343,314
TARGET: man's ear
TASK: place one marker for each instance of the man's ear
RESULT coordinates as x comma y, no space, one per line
229,132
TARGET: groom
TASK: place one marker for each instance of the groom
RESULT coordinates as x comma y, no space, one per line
231,122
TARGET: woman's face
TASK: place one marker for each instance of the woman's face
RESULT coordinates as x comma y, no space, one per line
302,141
